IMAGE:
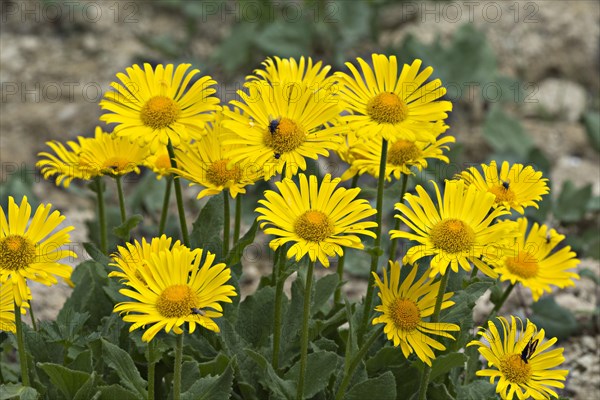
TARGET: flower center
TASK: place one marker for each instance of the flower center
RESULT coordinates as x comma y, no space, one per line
287,135
503,193
116,164
387,108
219,175
159,112
515,369
401,152
405,314
176,301
162,161
313,226
16,252
524,265
452,236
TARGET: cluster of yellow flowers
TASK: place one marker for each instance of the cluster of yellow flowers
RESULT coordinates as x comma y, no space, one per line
383,121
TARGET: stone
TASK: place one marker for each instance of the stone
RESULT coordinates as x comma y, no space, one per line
556,99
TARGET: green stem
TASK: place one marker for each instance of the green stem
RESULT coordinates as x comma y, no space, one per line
351,367
377,243
21,347
278,277
304,337
33,323
121,199
337,297
101,215
238,218
165,207
179,197
226,223
177,371
151,368
473,272
499,305
394,243
434,318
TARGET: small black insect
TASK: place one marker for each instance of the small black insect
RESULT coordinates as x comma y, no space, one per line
505,184
198,311
277,155
548,238
273,126
529,350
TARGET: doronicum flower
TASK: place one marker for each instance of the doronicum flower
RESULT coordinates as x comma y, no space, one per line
459,230
30,249
534,263
282,71
134,256
66,162
404,309
318,220
402,154
521,360
175,288
155,105
515,188
206,163
159,163
385,104
7,306
282,126
111,155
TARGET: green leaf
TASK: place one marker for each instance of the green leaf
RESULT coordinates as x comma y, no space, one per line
324,289
255,316
87,391
236,50
67,327
444,363
556,320
382,387
476,390
505,133
123,231
95,253
83,362
245,369
591,120
113,392
206,230
211,387
270,379
589,274
90,278
190,373
571,204
13,390
319,368
235,255
216,366
68,381
438,391
120,361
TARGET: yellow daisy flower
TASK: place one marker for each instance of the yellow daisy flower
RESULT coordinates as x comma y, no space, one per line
402,154
153,105
206,163
534,264
287,70
520,360
394,107
7,307
66,163
346,152
458,230
159,163
404,308
279,126
29,249
135,255
516,187
175,288
319,220
107,154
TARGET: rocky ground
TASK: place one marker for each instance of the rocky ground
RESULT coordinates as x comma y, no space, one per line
53,71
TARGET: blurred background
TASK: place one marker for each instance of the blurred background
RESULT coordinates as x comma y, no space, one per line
524,77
